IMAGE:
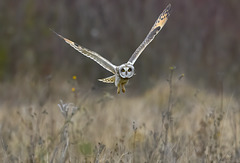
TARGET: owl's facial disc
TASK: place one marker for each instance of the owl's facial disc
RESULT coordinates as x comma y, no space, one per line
126,71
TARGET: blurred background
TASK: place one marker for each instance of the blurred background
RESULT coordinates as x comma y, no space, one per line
37,69
201,38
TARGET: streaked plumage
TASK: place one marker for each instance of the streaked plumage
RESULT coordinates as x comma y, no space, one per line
125,71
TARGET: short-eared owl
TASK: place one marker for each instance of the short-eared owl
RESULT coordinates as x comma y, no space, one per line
125,71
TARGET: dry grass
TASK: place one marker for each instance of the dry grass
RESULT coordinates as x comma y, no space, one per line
118,128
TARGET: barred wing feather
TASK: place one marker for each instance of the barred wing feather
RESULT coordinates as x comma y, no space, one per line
90,54
158,25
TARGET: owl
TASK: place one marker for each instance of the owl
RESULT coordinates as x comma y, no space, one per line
122,73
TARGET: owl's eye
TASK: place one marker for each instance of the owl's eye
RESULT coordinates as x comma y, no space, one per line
130,69
122,70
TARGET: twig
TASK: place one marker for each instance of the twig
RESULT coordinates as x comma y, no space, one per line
168,113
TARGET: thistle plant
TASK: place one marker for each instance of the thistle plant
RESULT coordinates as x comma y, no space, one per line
68,110
167,115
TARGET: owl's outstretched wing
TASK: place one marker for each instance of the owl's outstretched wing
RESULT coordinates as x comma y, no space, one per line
158,25
91,54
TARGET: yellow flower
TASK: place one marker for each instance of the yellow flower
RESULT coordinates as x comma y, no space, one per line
172,67
73,89
74,77
181,76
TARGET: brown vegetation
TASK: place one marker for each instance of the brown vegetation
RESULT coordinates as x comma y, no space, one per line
191,125
163,117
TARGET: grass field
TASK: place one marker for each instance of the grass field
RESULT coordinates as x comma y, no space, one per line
190,125
48,115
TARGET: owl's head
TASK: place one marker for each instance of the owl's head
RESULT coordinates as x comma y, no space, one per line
126,70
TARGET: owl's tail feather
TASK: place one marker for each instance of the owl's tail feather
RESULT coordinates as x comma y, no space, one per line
110,79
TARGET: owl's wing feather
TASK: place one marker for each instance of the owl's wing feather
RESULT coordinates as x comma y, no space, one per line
110,79
158,25
90,54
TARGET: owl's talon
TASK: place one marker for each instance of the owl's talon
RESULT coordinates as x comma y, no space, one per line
123,88
118,89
